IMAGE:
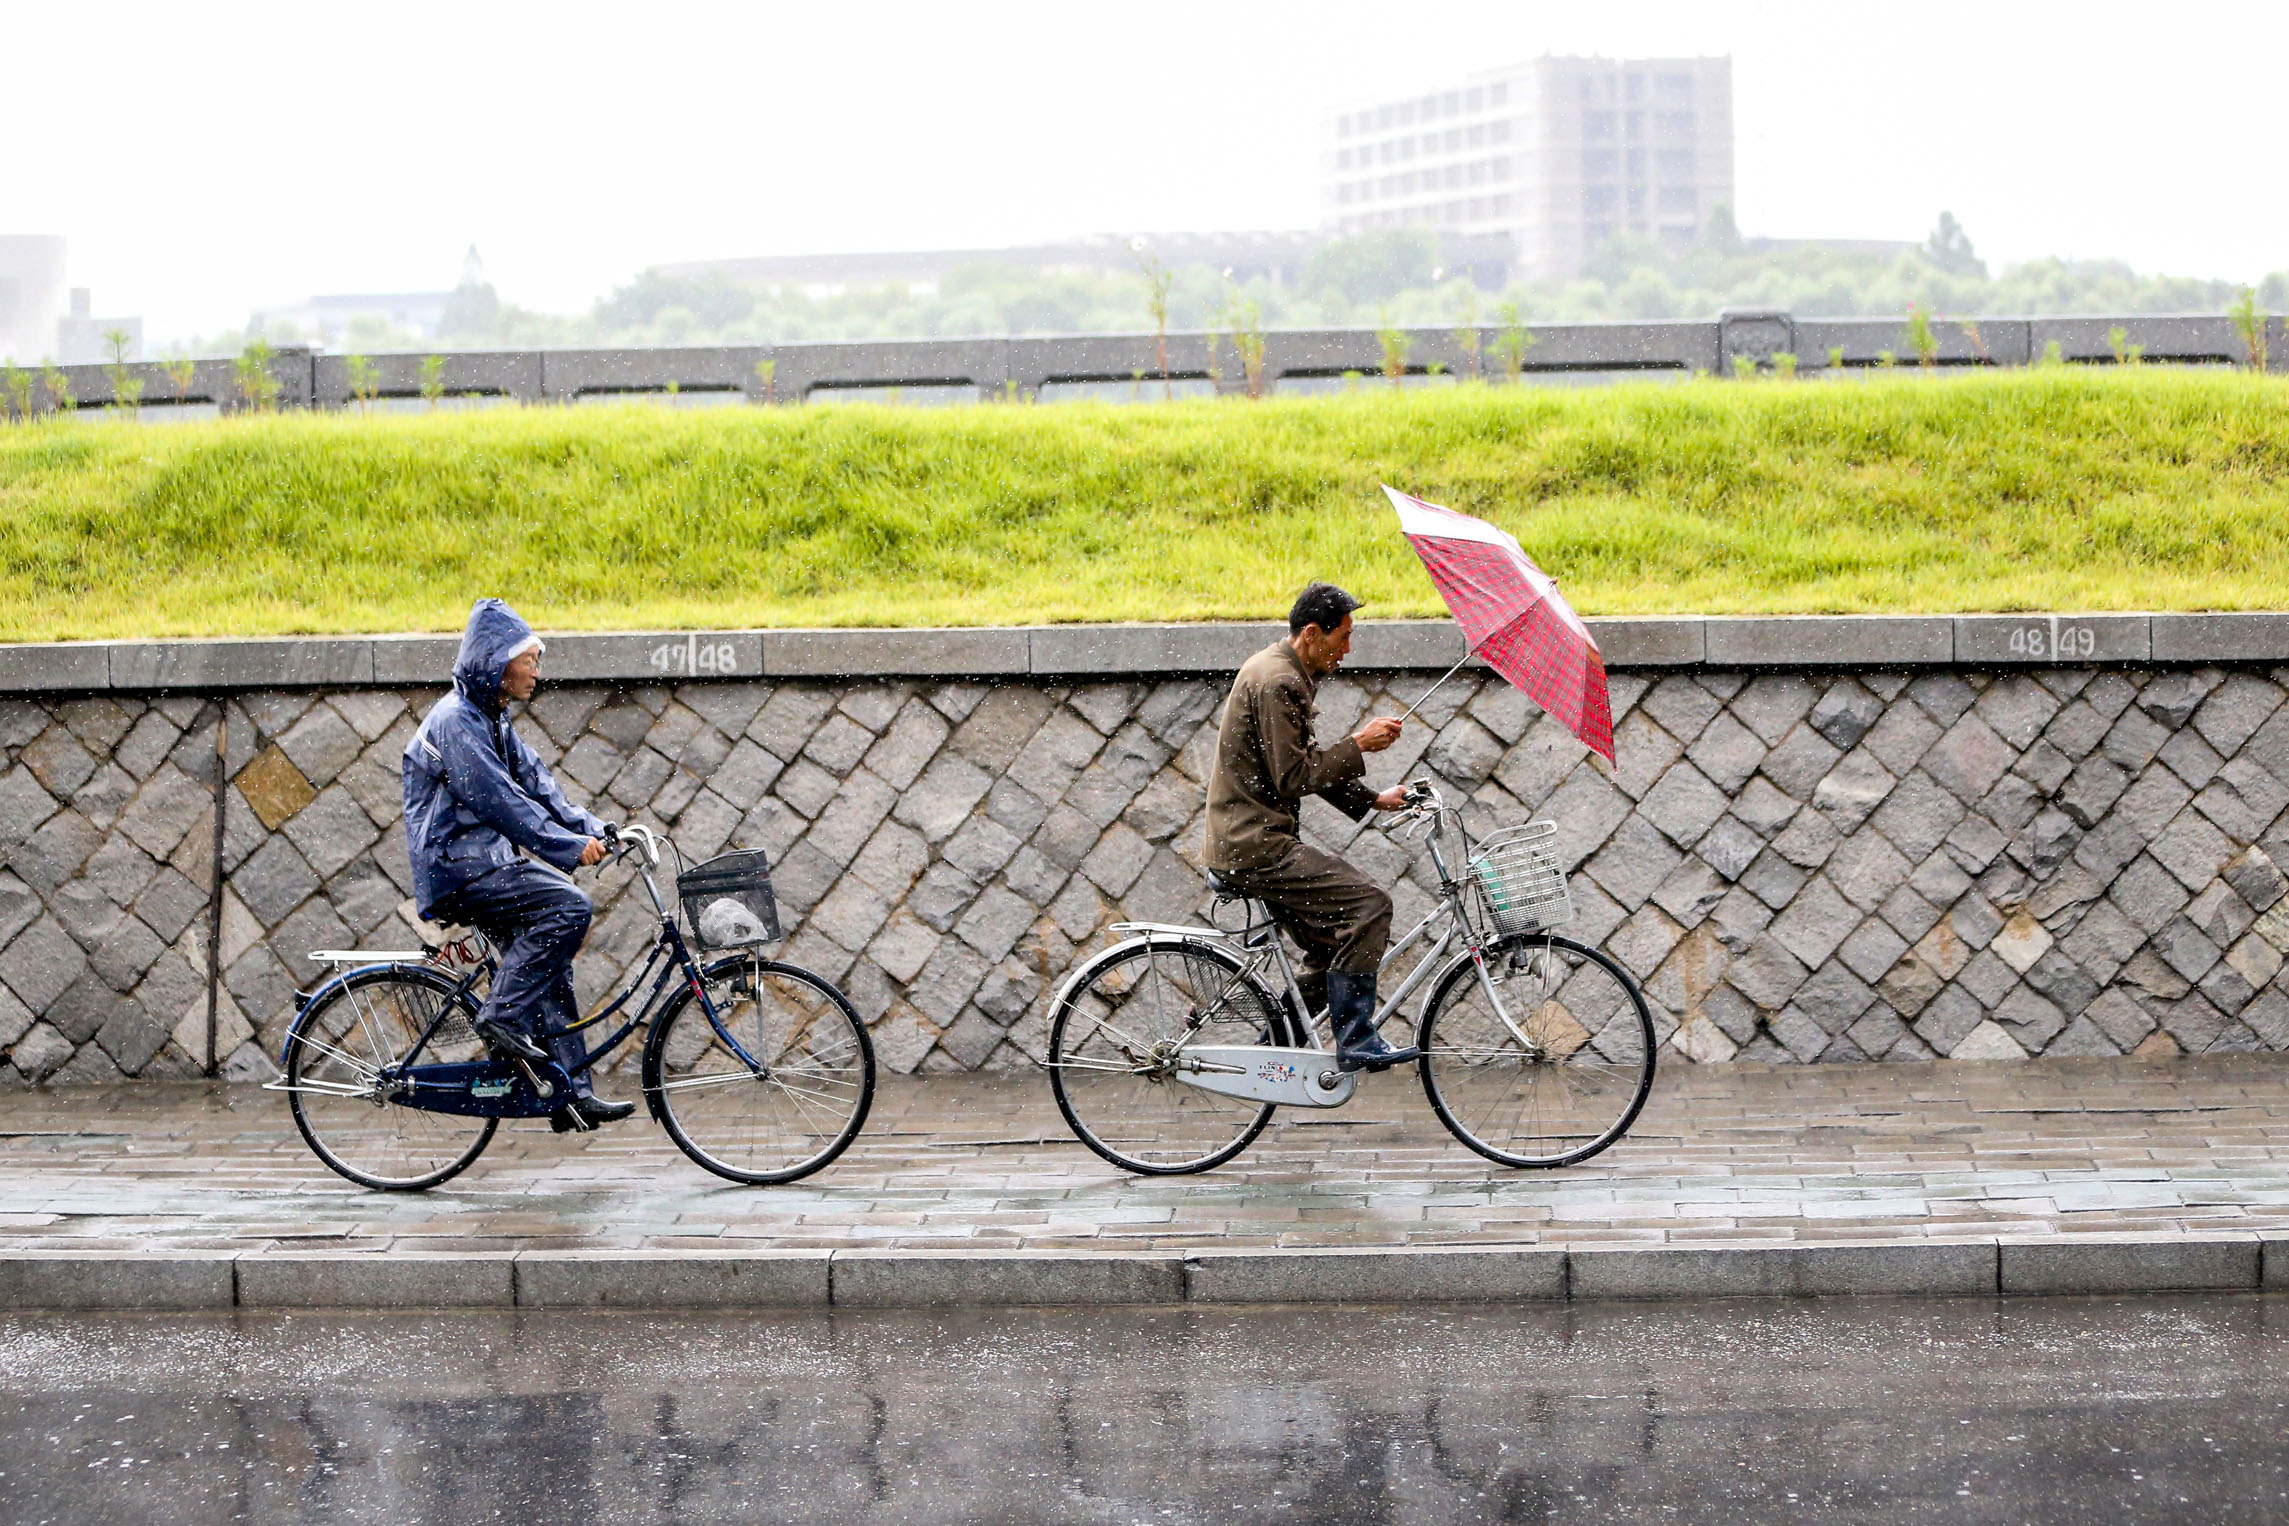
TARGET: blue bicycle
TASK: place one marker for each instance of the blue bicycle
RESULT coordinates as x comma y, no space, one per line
760,1071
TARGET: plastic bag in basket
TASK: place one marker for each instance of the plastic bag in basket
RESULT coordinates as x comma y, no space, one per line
726,922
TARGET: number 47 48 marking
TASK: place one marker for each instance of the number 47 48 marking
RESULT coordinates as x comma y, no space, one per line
2048,640
692,656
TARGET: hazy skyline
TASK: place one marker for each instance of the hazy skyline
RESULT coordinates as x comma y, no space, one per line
206,162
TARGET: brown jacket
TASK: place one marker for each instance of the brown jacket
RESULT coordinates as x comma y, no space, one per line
1266,764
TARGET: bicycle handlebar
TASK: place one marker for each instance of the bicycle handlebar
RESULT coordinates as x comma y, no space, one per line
633,838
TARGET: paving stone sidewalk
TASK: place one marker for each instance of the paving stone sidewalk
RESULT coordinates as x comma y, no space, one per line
1740,1155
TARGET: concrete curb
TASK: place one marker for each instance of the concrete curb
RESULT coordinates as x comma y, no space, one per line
2002,1266
1753,642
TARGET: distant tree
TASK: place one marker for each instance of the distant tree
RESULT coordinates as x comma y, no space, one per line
433,378
1921,338
1245,317
257,388
2249,319
180,369
1156,280
365,380
18,384
59,387
716,305
1949,247
1466,335
126,386
474,307
1514,340
1373,267
1396,342
1718,230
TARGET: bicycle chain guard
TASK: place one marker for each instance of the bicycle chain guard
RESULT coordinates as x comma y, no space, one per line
1263,1073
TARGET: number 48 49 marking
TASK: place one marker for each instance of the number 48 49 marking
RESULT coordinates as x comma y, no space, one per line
2053,642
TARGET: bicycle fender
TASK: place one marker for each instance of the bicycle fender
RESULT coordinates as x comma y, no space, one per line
1159,937
305,1000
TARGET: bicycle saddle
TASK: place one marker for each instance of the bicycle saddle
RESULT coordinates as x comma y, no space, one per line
1224,887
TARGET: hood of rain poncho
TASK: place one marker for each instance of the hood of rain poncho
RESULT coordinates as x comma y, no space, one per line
496,635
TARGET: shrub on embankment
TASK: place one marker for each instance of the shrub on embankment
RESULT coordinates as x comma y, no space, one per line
2048,489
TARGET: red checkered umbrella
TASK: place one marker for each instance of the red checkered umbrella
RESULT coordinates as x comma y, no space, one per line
1513,616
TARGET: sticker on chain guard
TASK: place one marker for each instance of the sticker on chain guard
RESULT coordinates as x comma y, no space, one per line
1259,1073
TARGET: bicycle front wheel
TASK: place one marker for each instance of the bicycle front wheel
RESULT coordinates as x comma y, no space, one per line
335,1055
1114,1033
1555,1074
775,1087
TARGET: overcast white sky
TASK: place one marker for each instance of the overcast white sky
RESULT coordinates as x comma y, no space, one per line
205,159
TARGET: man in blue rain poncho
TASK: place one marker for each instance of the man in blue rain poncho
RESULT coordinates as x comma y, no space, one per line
475,795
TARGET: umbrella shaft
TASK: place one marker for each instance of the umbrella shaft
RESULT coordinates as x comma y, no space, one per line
1434,688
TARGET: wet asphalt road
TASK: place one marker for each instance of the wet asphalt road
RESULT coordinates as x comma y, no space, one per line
2037,1410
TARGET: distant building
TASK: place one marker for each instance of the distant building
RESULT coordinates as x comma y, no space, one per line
80,334
326,320
32,296
1278,258
1558,154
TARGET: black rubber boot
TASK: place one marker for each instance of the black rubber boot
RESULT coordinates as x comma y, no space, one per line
592,1111
1351,1011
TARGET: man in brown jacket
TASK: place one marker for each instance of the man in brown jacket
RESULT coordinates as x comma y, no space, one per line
1266,762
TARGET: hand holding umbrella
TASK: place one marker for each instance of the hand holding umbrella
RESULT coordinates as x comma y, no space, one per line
1512,615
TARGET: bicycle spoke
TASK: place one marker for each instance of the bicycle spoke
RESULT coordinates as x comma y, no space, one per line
1560,1098
799,1105
1112,1050
353,1127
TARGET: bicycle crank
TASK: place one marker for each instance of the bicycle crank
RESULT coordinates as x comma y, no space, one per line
1261,1073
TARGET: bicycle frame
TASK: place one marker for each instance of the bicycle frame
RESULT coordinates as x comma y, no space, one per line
490,1088
1261,945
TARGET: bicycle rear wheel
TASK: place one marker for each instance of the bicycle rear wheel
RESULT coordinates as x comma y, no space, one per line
792,1110
1126,1014
1564,1077
335,1053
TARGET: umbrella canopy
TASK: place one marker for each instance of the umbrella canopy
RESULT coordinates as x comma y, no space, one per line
1512,615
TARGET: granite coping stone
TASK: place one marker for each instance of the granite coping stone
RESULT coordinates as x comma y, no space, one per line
1985,1266
1052,651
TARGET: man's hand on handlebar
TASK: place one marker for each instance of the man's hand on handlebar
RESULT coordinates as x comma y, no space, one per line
1405,797
1377,734
591,853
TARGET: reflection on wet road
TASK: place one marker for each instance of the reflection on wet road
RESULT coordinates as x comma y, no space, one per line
2054,1410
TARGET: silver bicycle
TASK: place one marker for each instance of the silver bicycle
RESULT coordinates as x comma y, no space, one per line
1169,1051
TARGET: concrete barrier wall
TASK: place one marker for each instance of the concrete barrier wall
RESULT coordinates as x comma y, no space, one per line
1023,366
1828,840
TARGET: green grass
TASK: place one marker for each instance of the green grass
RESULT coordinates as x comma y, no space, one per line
2047,489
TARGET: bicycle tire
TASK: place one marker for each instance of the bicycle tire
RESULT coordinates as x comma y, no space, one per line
1081,1086
1476,1052
829,1101
312,1053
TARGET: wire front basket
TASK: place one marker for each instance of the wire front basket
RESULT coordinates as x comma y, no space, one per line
1521,889
728,902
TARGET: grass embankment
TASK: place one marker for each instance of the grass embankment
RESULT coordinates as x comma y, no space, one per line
2050,489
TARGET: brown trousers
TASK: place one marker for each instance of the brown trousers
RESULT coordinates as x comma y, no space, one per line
1340,917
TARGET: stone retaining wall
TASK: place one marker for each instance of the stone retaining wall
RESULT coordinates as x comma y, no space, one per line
1801,865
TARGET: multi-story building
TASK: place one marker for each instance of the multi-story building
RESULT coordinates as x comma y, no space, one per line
1561,154
83,338
32,295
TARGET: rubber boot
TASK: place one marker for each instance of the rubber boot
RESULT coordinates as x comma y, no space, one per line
586,1113
1351,1012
